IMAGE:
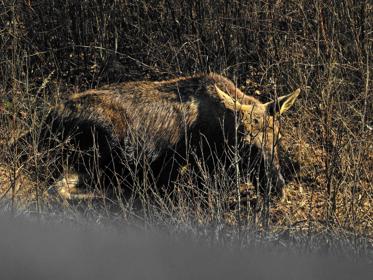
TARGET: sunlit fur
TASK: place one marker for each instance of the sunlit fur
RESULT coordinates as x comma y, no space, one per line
161,122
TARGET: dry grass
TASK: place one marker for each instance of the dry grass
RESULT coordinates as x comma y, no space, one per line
48,50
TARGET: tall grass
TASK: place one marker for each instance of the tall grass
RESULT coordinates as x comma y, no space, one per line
51,48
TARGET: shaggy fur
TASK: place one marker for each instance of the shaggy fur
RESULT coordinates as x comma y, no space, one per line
124,127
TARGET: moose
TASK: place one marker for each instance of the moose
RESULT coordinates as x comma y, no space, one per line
125,128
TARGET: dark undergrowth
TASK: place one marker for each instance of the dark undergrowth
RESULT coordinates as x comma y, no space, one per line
49,49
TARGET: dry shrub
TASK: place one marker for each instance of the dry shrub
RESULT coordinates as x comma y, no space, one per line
49,49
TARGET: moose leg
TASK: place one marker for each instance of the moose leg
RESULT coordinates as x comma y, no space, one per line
68,187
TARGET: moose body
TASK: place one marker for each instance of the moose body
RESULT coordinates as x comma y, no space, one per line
164,126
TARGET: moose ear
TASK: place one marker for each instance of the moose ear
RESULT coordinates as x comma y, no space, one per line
229,102
283,103
227,99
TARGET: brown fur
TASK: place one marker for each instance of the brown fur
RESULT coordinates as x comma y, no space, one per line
162,121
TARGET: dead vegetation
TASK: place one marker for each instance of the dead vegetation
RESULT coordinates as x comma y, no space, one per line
49,50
